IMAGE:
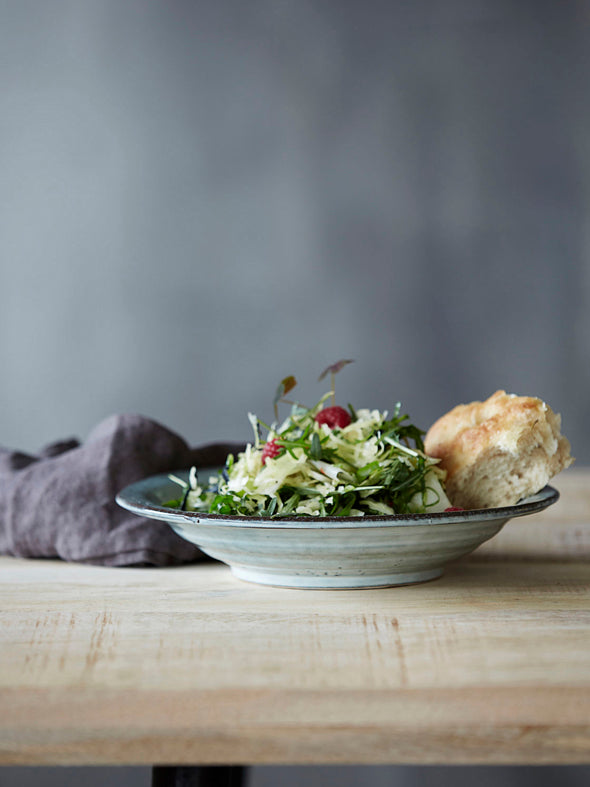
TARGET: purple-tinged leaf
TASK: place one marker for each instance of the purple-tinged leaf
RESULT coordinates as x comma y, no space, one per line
334,368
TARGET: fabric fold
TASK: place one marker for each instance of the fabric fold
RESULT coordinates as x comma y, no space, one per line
61,502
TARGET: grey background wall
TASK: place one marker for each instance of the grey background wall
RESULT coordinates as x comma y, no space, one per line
198,198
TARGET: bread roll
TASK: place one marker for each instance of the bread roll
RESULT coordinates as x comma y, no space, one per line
498,451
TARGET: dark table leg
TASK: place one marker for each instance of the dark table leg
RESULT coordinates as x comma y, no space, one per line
198,776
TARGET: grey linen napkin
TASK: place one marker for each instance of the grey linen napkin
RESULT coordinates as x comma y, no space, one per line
61,503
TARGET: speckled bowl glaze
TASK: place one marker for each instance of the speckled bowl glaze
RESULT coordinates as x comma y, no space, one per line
329,552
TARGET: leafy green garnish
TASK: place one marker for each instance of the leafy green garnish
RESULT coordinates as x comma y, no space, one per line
374,465
315,448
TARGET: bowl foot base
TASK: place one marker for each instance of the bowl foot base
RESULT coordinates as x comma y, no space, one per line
330,581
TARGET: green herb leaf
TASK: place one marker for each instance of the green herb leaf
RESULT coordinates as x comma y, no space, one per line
315,449
173,503
376,465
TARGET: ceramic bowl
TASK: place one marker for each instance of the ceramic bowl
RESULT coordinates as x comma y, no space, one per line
329,552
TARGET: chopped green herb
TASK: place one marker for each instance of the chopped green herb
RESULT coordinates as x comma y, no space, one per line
373,466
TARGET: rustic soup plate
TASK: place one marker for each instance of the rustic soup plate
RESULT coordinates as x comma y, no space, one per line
329,552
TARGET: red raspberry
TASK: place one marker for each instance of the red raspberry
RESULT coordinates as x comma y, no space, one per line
271,450
334,417
454,508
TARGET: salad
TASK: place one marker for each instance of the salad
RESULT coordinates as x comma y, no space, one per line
323,461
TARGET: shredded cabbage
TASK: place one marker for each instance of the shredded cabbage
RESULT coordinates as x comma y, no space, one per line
375,465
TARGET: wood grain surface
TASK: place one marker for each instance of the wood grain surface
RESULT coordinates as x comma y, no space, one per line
489,664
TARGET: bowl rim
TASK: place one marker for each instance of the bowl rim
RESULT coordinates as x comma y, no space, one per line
134,498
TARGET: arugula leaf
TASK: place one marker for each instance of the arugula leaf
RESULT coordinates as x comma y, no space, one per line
375,464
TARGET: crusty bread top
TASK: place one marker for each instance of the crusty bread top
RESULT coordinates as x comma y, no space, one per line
498,448
468,430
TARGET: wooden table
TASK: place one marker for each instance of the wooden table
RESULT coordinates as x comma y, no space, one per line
489,664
